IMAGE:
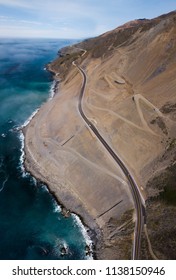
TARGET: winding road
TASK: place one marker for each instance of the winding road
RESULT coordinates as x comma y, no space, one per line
138,201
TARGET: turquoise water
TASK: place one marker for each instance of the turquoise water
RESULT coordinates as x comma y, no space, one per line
31,225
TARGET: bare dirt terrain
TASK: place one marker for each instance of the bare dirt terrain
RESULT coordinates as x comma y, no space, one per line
130,97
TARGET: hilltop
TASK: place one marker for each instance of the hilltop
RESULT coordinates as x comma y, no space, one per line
131,98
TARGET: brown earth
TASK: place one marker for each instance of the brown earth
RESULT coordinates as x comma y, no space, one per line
131,98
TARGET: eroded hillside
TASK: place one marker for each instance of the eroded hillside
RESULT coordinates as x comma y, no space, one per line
131,98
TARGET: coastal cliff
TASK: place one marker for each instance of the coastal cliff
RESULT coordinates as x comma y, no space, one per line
130,96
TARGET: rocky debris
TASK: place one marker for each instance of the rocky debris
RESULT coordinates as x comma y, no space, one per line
88,250
64,251
160,124
65,212
118,238
168,108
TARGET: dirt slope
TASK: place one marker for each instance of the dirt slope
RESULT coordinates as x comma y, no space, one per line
131,97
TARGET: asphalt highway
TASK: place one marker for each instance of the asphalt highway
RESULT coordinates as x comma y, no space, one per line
139,206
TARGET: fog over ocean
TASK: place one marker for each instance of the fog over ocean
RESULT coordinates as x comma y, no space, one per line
31,225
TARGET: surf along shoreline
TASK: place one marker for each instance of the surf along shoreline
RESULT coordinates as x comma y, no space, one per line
63,197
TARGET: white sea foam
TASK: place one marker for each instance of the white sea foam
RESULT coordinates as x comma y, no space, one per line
84,233
30,118
59,244
33,180
52,90
24,173
44,187
3,135
57,207
21,137
65,245
51,95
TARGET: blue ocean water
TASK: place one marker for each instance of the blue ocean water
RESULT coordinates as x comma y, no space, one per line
31,224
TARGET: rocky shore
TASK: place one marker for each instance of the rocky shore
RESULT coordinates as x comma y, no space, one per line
125,101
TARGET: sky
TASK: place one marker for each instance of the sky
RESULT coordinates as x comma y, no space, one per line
73,19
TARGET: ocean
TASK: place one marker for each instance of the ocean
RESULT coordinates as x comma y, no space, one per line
31,224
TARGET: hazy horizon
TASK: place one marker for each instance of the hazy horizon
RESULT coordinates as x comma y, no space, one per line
82,19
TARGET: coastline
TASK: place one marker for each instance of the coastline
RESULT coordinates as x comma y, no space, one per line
91,229
130,108
61,152
63,201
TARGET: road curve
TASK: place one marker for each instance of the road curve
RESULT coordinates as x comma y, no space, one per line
139,205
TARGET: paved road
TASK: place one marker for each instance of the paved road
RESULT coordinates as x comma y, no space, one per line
140,208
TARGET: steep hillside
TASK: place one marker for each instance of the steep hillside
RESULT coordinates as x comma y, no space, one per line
131,97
